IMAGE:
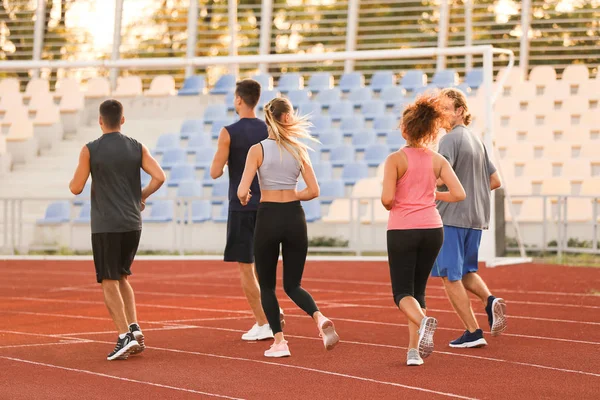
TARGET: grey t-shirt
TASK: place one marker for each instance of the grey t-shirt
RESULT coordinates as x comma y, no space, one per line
115,162
468,157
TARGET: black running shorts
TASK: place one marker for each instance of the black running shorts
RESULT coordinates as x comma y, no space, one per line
113,253
240,237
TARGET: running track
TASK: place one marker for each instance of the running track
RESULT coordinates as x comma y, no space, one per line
55,333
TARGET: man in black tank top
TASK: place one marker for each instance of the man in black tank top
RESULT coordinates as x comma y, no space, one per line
117,200
233,145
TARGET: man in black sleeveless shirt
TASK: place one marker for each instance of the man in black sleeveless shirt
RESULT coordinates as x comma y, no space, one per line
233,145
117,200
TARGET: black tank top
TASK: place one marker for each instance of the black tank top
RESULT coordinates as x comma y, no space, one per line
115,162
243,134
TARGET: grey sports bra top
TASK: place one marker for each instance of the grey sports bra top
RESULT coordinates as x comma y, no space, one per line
279,169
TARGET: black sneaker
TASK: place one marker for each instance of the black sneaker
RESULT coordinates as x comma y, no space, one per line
469,340
123,348
496,311
139,336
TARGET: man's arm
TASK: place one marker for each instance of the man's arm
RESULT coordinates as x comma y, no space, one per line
82,172
221,156
495,181
157,175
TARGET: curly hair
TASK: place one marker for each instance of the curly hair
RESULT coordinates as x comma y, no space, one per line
422,120
460,100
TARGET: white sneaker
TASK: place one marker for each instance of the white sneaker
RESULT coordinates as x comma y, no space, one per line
258,333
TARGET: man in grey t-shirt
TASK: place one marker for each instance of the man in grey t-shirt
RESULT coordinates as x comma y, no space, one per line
464,221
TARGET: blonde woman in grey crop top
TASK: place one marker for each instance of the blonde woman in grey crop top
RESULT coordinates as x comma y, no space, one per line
279,161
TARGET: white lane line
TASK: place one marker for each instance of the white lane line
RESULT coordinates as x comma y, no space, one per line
84,371
15,346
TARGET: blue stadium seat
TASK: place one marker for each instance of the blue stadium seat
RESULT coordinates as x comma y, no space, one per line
429,89
219,124
341,109
384,124
375,154
214,112
445,78
84,196
266,96
320,81
310,108
381,80
224,85
223,214
290,81
298,96
321,124
362,139
341,155
399,109
331,189
172,157
204,157
312,210
350,81
84,216
161,194
329,96
392,96
145,178
193,86
201,211
166,141
372,109
265,80
190,188
220,190
466,89
395,141
323,171
198,141
190,126
330,139
162,211
56,213
351,124
181,173
413,79
359,95
315,154
474,78
229,99
354,171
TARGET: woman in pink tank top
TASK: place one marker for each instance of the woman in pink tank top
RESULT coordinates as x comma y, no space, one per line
415,233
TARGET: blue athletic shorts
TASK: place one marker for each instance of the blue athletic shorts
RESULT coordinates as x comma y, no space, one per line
459,253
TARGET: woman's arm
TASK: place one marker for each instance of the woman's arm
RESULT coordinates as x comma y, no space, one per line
455,192
253,162
390,177
312,189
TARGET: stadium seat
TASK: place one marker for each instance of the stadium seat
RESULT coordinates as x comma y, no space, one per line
265,80
350,81
340,211
320,81
372,109
543,74
341,155
430,89
36,86
144,177
166,141
214,112
323,171
172,157
229,99
85,212
576,73
204,157
341,109
354,171
84,196
161,194
361,140
309,108
10,86
351,124
191,188
465,88
65,86
20,141
193,86
290,81
367,190
331,189
162,211
129,86
162,85
266,96
219,124
198,142
312,210
201,211
413,80
220,190
383,124
191,126
329,96
474,78
376,214
97,88
382,79
360,95
395,140
223,214
321,124
330,139
445,78
375,154
181,173
393,96
298,96
56,213
224,85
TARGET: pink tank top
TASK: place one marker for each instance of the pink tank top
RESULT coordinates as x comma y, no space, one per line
414,204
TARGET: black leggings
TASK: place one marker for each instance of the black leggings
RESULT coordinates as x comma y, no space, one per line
411,255
281,224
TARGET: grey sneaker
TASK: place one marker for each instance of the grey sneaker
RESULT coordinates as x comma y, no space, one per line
426,331
413,357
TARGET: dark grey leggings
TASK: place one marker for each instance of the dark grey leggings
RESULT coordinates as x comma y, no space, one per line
411,254
281,224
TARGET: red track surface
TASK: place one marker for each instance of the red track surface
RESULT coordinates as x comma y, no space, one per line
55,333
